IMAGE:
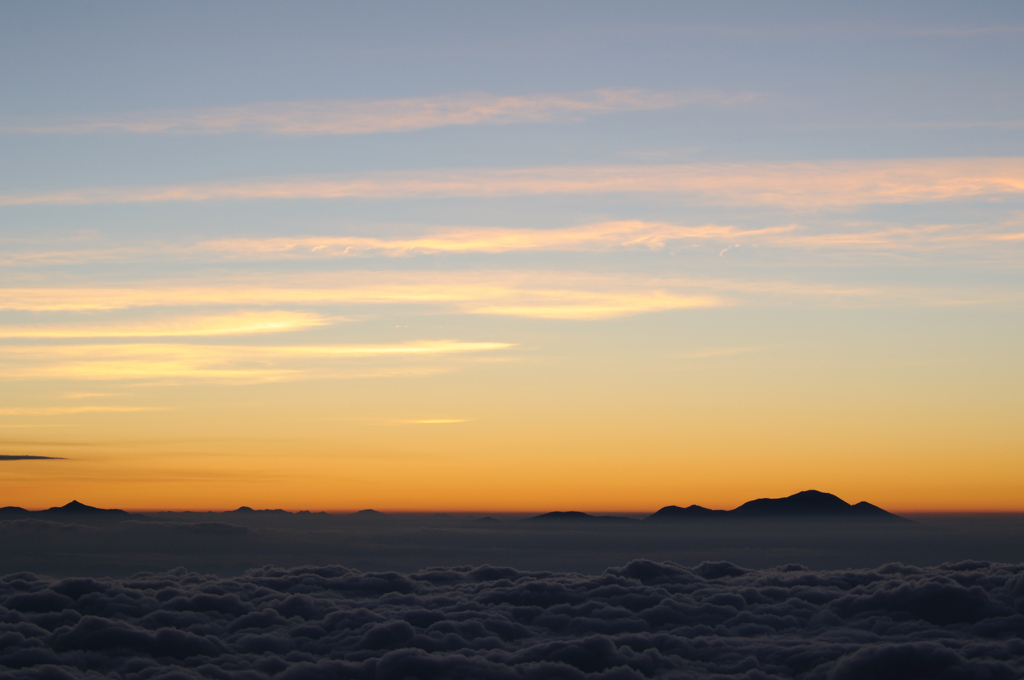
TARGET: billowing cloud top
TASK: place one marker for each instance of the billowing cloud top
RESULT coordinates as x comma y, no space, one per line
643,620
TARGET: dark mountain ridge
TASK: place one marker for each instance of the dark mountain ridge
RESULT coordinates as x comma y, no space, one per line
576,516
673,512
74,512
806,504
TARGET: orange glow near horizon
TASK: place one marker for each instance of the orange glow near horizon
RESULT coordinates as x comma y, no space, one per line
432,450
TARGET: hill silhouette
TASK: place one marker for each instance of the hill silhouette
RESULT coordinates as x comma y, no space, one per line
806,504
74,512
673,512
74,507
576,516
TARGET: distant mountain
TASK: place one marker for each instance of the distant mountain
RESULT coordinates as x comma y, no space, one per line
807,504
673,512
574,516
245,510
73,512
76,509
369,514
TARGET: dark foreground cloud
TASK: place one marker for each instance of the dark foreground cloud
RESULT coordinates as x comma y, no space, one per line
644,620
25,457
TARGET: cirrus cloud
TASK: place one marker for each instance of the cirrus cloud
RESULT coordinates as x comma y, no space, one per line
354,117
218,363
243,322
552,295
801,186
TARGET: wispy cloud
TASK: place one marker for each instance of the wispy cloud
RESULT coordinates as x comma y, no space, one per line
434,421
519,293
888,237
235,323
26,457
828,184
596,237
354,117
590,237
47,444
600,236
223,363
509,293
72,410
90,395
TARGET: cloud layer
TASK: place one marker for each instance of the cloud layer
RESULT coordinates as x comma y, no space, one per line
609,237
347,117
643,620
801,186
232,363
538,294
4,457
237,323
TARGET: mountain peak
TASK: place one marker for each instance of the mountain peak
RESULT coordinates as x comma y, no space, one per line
75,506
806,504
671,512
575,516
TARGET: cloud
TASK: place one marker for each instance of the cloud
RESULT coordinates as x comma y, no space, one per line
72,410
90,395
228,363
552,295
4,457
236,323
353,117
846,236
643,620
802,186
434,421
574,296
599,236
27,442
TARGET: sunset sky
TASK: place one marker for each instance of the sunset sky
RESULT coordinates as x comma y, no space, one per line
511,257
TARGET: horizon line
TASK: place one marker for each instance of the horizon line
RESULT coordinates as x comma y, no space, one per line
533,512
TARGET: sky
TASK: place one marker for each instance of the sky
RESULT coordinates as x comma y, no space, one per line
511,257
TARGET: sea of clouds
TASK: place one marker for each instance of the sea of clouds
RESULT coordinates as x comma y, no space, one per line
643,620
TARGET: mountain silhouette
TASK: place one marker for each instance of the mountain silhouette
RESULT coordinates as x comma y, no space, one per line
806,504
76,512
576,516
245,509
673,512
76,508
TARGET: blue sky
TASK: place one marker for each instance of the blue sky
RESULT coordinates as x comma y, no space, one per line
781,238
